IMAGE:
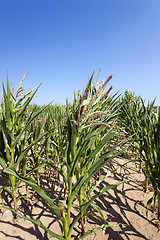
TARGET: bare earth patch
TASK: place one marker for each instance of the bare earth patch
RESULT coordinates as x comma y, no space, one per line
125,205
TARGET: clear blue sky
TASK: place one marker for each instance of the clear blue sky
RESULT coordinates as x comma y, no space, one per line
61,42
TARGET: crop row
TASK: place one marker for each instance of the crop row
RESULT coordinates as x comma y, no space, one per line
75,140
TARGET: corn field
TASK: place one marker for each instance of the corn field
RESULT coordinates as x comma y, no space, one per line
72,143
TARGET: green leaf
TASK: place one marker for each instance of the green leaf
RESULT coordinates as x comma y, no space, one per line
88,202
98,210
7,109
38,223
101,144
3,163
149,203
30,145
40,191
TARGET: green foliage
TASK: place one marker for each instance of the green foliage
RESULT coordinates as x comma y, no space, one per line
142,122
14,135
76,140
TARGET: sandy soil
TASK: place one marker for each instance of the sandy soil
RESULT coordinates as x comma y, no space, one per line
124,205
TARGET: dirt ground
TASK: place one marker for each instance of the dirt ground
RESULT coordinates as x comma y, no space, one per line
124,205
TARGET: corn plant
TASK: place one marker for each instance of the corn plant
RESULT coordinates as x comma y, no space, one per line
150,155
143,123
63,208
89,128
133,117
90,111
13,131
